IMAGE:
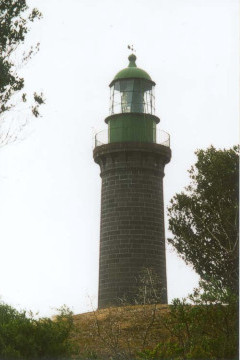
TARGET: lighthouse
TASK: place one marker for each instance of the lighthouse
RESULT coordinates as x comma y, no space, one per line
131,153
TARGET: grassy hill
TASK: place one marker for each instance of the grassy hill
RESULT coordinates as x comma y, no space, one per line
120,331
178,331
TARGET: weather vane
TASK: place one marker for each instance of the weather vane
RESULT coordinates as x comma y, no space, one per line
131,48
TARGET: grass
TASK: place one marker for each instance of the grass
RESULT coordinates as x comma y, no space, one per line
119,331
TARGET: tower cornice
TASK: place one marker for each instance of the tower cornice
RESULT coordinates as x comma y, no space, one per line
161,151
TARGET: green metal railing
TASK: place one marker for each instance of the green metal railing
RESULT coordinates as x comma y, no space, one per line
104,137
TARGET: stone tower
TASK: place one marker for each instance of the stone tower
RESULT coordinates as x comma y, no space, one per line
131,154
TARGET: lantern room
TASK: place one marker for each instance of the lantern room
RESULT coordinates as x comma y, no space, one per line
132,106
132,90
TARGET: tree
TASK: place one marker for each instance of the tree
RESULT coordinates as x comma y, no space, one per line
149,289
204,218
23,337
15,19
202,326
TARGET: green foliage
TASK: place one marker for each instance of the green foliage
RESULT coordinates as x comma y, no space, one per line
23,337
203,328
204,218
15,19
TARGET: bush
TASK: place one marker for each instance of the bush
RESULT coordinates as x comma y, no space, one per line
23,337
204,327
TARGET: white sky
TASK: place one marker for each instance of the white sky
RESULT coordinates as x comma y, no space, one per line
49,183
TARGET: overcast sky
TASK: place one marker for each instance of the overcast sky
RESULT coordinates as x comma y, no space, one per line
49,183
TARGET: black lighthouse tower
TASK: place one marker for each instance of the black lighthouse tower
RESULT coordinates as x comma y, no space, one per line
132,154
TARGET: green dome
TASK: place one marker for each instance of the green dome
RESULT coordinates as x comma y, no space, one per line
132,72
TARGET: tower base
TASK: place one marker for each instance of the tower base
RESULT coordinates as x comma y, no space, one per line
132,265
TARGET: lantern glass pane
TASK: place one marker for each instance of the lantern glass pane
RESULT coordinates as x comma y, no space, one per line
132,95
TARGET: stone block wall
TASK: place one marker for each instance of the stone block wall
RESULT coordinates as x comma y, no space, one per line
132,236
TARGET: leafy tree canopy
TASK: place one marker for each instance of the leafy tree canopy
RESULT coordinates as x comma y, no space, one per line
15,19
202,326
23,337
204,218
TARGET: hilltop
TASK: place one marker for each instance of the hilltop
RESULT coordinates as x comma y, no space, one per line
120,331
177,331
